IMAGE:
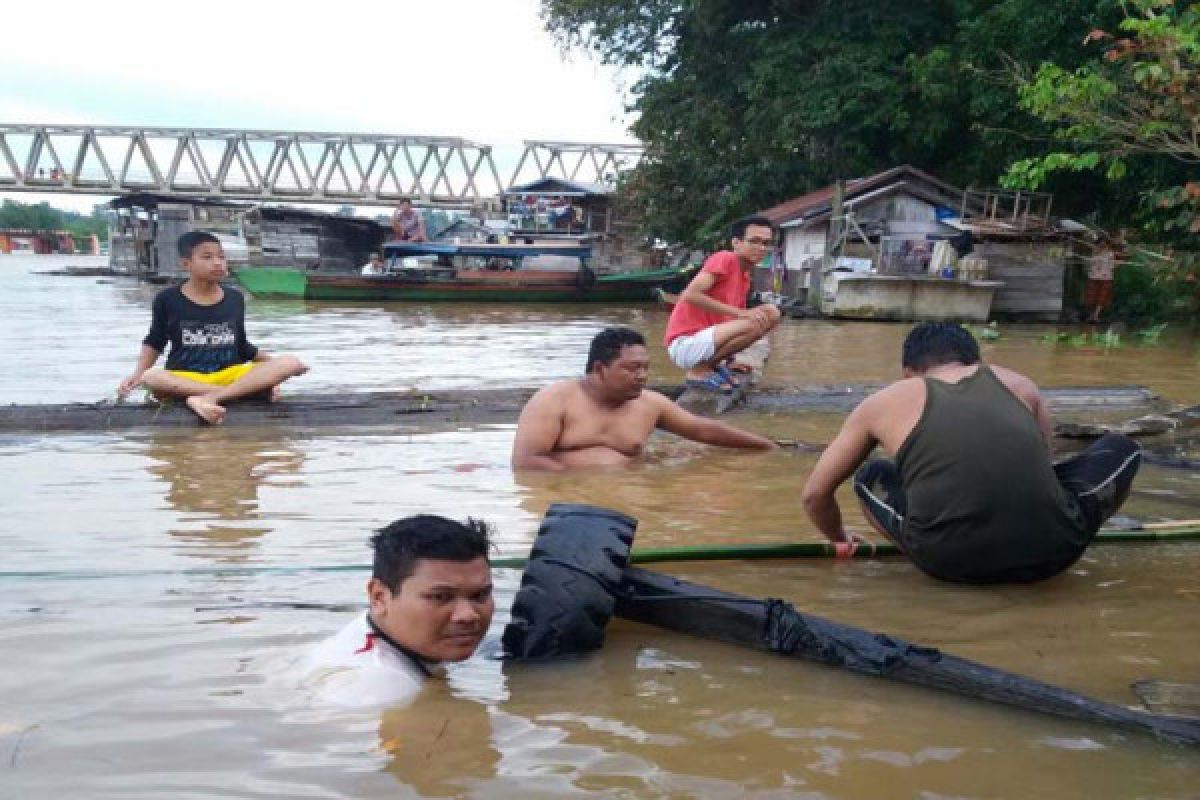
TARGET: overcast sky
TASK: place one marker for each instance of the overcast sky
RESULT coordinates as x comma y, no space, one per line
480,69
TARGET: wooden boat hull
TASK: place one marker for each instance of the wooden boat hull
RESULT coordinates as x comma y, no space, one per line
521,286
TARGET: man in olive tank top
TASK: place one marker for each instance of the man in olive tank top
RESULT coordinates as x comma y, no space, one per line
971,495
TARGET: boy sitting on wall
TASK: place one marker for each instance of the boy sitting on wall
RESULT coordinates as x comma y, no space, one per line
210,361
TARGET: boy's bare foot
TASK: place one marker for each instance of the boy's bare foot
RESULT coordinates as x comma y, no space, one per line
274,394
206,409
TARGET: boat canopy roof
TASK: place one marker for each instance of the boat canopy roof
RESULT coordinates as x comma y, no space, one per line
480,249
559,187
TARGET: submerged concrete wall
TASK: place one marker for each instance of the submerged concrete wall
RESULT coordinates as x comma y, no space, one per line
896,297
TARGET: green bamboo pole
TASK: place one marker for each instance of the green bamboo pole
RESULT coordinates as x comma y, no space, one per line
753,552
1188,530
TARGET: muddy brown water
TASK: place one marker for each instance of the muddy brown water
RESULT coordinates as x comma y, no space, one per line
175,678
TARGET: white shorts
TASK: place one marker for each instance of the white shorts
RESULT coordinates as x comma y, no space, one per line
688,351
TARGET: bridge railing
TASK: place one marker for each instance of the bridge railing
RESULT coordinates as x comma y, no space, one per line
316,167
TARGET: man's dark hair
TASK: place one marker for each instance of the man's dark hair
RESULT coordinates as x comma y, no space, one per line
932,344
399,546
193,239
608,344
738,229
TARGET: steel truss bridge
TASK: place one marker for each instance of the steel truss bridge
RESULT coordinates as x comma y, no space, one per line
289,166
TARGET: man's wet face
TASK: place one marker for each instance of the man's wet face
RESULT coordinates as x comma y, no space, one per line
628,373
440,612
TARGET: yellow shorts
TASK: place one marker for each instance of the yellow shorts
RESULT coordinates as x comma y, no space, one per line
222,377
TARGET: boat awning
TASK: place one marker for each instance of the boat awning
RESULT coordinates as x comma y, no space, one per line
486,250
555,187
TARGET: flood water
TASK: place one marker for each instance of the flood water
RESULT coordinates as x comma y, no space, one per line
166,671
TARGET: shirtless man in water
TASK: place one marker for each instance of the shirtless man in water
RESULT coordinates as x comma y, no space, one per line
605,417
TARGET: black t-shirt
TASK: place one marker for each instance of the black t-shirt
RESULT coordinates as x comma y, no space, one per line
203,338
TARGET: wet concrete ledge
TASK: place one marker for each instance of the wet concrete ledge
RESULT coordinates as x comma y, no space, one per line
447,410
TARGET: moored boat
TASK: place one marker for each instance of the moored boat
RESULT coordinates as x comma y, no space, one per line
447,271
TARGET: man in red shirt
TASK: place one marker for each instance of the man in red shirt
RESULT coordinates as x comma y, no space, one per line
711,324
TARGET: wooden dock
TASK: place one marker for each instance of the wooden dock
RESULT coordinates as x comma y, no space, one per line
446,410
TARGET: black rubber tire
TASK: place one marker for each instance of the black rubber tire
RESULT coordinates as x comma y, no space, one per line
569,587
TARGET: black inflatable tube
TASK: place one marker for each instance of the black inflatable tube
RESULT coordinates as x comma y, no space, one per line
771,625
578,577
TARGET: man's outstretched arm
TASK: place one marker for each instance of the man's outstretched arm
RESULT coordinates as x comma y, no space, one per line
538,429
841,458
701,429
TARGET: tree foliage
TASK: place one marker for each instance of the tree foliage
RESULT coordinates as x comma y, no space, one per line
1132,113
745,103
44,217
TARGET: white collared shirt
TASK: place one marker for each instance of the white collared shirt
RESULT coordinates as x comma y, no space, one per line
356,667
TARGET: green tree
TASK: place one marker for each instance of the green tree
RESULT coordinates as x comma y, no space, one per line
44,217
1132,113
744,103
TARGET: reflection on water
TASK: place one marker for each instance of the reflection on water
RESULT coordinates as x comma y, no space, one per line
214,481
690,494
443,744
142,687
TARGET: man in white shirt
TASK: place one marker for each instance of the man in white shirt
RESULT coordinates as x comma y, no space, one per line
375,266
430,596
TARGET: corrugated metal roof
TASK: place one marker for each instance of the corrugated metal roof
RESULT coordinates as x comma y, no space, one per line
559,186
810,204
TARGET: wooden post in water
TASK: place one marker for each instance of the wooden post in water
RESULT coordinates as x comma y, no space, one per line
833,238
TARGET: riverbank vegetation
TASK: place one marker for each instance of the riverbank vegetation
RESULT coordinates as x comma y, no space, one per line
744,103
44,217
1133,110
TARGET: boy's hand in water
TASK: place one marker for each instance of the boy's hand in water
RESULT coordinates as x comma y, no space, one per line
128,385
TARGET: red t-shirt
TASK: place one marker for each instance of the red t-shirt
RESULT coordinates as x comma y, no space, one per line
731,288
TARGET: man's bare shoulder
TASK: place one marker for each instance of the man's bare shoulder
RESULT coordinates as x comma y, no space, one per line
1015,382
1006,374
556,395
656,402
901,393
650,396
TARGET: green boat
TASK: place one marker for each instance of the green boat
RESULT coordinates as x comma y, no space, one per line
443,271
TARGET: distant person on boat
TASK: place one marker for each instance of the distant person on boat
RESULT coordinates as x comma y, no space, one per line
374,266
210,360
971,495
606,417
429,603
407,223
710,323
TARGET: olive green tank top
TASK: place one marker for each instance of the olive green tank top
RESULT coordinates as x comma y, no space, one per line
983,502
